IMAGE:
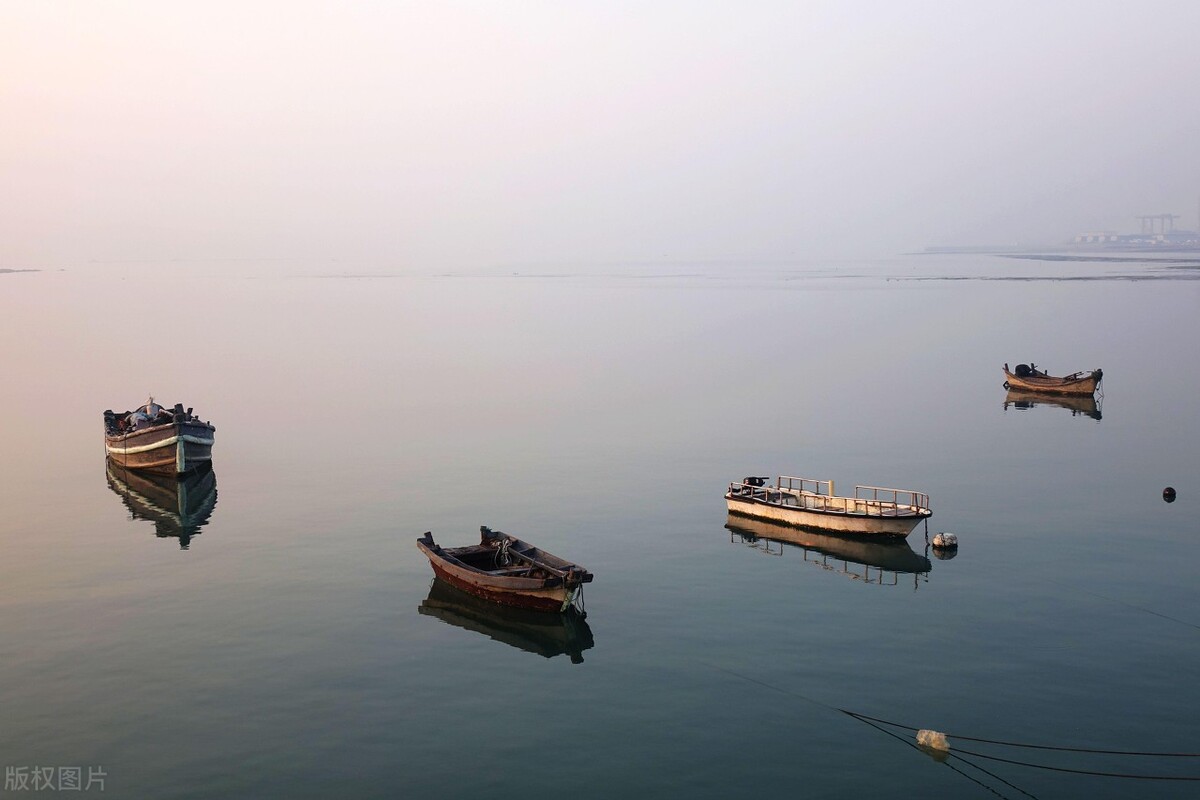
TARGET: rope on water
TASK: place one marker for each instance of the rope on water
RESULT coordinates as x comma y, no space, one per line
578,603
1134,776
1090,750
976,781
868,720
1135,607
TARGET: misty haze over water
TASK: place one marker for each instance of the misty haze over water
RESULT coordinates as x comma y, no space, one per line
469,135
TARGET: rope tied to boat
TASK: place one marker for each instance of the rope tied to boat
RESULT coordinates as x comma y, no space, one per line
577,602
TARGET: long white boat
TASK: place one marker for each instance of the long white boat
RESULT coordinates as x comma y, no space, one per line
873,511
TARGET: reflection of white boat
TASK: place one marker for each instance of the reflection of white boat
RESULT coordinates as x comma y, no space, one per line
178,506
884,556
1078,404
548,635
806,503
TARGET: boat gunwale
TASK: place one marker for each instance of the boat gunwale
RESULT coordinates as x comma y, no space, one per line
115,438
574,576
873,508
902,512
1084,382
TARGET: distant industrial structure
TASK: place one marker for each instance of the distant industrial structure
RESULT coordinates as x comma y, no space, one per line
1158,231
1158,234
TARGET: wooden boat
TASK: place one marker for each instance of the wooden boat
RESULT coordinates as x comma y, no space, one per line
873,511
884,555
178,506
1030,378
171,441
1078,404
506,570
547,635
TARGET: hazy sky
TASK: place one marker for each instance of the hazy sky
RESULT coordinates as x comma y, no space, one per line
462,134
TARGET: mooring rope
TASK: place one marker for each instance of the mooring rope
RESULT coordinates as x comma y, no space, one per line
1090,750
958,752
951,766
1094,773
1134,606
865,719
503,559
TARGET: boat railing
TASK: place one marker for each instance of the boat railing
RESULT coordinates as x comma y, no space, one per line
894,498
817,495
807,485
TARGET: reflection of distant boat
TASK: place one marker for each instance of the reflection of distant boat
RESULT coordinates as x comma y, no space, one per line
178,506
547,635
812,504
1030,378
893,556
1077,404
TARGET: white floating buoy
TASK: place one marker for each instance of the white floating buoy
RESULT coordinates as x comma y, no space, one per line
933,740
945,540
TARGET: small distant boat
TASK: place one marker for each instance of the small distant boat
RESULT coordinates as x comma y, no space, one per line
1030,378
506,570
178,506
548,635
1078,404
873,511
157,439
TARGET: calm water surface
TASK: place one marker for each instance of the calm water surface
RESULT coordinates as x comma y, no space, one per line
289,643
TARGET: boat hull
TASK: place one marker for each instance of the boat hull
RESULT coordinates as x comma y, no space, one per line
553,599
541,594
1045,384
171,448
846,523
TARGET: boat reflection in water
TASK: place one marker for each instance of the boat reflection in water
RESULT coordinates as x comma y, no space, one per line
178,506
867,560
547,635
1078,404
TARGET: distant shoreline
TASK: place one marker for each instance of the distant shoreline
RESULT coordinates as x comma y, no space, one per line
1105,259
1184,256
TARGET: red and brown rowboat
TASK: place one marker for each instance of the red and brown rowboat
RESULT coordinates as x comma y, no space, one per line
506,570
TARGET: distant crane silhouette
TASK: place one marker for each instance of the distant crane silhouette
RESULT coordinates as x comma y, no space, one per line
1165,223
